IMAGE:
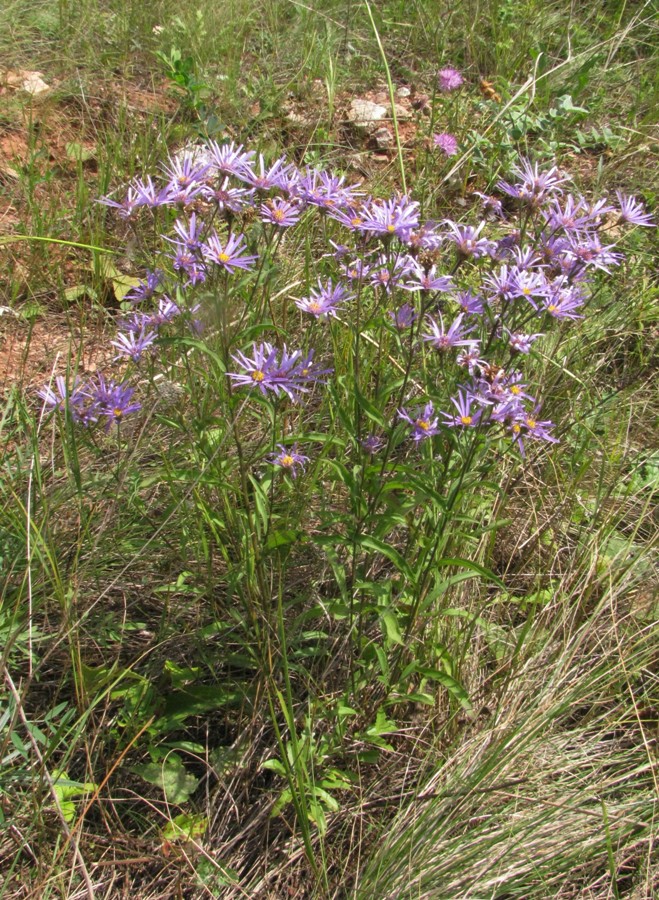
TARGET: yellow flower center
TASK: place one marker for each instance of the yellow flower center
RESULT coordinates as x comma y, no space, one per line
356,221
314,307
224,257
466,420
391,228
515,390
551,307
279,215
287,461
526,290
258,375
118,413
423,424
531,423
517,428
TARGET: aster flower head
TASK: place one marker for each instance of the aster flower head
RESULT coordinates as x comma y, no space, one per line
288,373
385,275
61,397
133,344
447,143
148,194
563,302
527,425
372,443
423,280
112,401
426,237
533,187
398,216
326,191
491,206
146,288
404,317
470,304
230,159
186,179
449,79
424,422
289,459
325,301
442,339
188,233
125,207
230,256
264,177
521,343
467,241
228,199
632,211
280,212
465,416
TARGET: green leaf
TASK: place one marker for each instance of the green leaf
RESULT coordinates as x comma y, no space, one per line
390,623
372,543
170,775
185,827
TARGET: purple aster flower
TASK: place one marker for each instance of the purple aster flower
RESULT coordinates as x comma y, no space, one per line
125,207
288,375
632,211
445,142
441,339
398,216
351,217
148,194
521,343
528,284
372,443
133,344
404,317
264,178
357,270
113,401
186,179
534,187
280,212
465,417
230,159
325,301
319,188
501,284
308,371
423,421
427,237
64,399
383,274
526,425
470,304
449,79
428,280
188,233
146,288
573,216
563,302
491,206
467,241
590,253
183,259
228,255
227,198
167,311
289,459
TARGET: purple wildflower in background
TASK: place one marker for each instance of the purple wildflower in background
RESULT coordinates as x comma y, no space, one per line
491,205
383,274
125,207
426,237
563,303
227,198
534,187
521,343
230,159
404,317
445,142
148,194
357,270
185,179
441,339
467,241
465,417
265,177
427,281
398,216
325,301
424,422
230,255
113,401
632,211
146,288
280,212
326,191
288,375
372,443
133,344
449,79
470,304
63,398
188,233
289,459
527,425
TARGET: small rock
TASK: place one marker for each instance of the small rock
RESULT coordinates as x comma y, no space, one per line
403,92
364,114
384,139
26,80
402,113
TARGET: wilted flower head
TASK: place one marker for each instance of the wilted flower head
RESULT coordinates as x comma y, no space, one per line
632,212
